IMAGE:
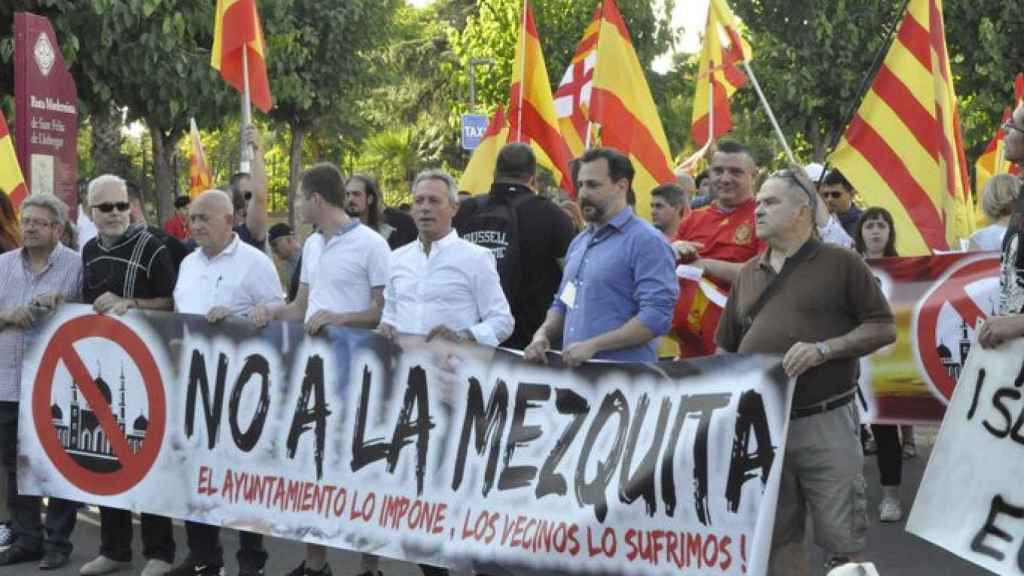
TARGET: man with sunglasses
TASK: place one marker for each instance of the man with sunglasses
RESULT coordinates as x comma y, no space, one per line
32,278
1008,323
248,192
126,267
839,194
820,307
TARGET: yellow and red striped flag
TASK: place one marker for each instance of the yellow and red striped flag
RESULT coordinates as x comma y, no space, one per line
622,104
11,180
993,160
605,86
531,110
199,175
903,150
719,75
479,172
237,27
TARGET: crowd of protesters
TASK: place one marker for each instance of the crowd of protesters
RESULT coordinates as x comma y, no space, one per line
587,277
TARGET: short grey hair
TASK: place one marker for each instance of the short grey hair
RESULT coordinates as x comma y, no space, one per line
998,196
50,202
439,175
104,180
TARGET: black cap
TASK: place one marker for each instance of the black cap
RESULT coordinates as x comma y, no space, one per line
279,230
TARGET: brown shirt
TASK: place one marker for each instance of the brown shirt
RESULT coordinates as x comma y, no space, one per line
829,293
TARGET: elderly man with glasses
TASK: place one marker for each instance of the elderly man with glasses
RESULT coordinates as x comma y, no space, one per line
33,279
820,306
126,267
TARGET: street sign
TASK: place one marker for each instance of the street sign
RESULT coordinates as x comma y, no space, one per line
473,128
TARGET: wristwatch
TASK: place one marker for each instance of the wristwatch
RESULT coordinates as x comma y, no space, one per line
824,349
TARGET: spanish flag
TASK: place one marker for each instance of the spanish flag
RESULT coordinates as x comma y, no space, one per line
479,172
11,180
531,111
719,75
237,27
993,160
903,149
198,172
619,100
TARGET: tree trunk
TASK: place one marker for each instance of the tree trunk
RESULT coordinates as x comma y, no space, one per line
163,172
106,141
294,167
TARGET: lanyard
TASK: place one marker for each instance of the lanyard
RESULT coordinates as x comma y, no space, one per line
598,237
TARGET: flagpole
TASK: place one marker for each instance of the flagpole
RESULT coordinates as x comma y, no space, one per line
522,75
690,162
768,110
245,156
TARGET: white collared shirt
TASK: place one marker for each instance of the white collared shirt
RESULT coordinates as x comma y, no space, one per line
457,286
341,271
239,278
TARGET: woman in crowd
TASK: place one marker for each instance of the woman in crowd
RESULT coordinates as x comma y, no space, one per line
876,238
997,204
10,234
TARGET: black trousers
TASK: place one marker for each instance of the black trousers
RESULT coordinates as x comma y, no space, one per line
25,511
890,453
116,536
204,547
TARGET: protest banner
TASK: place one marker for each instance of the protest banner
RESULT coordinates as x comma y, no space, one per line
936,301
436,452
971,500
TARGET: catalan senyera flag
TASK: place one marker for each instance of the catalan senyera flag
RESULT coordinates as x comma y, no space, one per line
479,172
531,110
719,75
605,87
11,180
199,175
903,149
237,28
993,160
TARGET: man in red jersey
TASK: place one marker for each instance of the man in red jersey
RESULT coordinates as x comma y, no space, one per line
715,241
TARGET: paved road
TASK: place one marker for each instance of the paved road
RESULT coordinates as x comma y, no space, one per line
894,552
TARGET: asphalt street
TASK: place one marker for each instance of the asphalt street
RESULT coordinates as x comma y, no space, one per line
894,551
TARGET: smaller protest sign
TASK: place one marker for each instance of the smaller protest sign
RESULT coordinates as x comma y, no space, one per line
971,501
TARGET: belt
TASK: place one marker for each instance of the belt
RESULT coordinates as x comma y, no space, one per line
805,411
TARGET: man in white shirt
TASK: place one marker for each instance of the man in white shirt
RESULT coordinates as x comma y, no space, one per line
224,278
442,285
344,268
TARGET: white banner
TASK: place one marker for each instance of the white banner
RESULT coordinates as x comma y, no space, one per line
971,501
431,452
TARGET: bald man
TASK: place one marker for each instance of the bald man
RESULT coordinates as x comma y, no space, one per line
226,277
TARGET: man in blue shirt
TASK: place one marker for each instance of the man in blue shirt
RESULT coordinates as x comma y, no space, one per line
619,286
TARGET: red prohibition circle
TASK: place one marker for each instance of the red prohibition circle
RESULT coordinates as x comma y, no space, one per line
951,289
133,466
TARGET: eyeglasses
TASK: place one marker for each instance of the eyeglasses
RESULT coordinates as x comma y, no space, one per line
812,198
108,207
1011,126
832,195
34,223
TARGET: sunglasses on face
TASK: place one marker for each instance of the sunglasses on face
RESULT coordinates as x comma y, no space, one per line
832,195
108,207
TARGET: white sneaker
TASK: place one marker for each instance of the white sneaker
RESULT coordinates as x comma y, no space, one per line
155,567
890,510
102,565
6,536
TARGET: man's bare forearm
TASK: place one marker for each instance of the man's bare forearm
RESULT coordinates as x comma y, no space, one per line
553,325
632,333
727,271
862,340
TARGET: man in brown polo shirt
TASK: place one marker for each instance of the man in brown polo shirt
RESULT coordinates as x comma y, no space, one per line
825,312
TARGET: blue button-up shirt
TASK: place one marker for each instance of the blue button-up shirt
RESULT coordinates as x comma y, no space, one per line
621,270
